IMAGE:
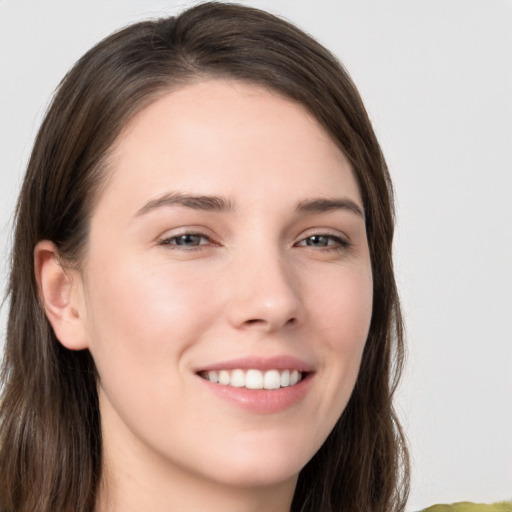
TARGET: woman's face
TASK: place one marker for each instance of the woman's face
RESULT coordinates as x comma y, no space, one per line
228,243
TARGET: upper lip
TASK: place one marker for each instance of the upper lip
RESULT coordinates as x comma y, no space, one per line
280,362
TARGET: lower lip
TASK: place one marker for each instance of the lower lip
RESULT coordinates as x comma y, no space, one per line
262,401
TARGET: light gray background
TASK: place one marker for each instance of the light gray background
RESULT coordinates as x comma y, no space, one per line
436,77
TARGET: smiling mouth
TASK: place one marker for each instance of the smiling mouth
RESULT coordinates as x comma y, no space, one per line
253,378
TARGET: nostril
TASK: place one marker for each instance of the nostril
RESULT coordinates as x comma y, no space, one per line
255,321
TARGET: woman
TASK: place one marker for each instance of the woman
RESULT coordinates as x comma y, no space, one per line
203,312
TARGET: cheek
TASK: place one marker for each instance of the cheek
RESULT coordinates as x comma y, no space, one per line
140,297
141,318
343,309
141,321
342,316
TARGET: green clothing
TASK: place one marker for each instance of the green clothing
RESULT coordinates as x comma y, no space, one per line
466,506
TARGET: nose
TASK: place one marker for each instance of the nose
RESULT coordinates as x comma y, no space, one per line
265,294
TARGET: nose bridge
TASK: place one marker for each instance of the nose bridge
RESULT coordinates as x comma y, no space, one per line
265,293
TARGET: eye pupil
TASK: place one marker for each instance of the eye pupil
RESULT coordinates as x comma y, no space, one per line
317,240
188,239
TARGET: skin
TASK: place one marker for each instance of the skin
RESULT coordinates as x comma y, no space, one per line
251,282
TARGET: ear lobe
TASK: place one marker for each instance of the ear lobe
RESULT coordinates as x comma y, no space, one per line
60,291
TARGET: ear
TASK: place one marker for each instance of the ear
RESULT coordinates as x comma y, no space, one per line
61,293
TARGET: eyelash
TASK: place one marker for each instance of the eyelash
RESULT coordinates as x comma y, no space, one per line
169,242
334,242
338,244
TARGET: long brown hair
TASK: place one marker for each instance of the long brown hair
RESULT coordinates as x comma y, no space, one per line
50,437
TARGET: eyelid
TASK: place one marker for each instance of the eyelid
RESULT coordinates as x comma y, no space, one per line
167,237
328,232
342,241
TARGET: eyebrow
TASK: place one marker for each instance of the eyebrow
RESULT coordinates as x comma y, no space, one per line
220,204
206,203
322,205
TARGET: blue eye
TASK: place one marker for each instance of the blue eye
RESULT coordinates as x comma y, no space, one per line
324,241
186,240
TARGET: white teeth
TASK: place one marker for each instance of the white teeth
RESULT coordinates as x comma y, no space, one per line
254,379
224,377
237,379
294,377
213,376
272,380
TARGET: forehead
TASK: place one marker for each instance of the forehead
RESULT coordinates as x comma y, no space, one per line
229,135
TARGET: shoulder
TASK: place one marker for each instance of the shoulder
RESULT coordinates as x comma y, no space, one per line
466,506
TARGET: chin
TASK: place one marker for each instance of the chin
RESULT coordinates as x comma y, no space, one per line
261,468
254,477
